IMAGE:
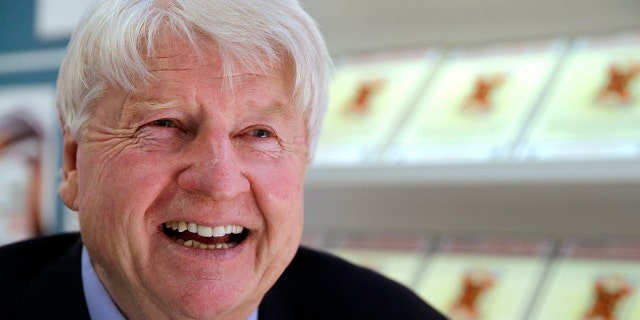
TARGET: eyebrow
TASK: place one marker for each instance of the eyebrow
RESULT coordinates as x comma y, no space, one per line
153,104
146,104
272,108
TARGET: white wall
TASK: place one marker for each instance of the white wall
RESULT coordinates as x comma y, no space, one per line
357,25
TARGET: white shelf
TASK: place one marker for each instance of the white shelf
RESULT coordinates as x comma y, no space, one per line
552,198
486,173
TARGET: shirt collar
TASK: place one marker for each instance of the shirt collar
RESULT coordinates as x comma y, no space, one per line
99,303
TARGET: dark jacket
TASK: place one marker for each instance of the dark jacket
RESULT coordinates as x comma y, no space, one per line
41,278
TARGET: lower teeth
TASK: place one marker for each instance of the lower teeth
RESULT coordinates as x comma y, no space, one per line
199,245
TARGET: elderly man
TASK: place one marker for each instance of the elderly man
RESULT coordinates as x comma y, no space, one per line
188,125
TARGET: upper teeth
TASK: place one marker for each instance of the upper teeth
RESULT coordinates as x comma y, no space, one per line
204,231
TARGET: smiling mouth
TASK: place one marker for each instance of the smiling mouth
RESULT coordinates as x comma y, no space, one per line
190,234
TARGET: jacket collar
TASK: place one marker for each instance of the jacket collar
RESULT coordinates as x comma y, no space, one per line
57,290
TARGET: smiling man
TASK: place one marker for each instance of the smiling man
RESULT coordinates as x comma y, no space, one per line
188,126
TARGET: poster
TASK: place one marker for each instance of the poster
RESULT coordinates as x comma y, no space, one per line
28,161
491,278
369,95
592,110
593,279
477,103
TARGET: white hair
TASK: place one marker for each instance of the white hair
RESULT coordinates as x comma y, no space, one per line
114,37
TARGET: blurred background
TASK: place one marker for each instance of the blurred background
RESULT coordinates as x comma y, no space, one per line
483,153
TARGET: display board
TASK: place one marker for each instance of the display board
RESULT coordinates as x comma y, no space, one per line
477,103
53,21
593,108
28,161
593,279
484,277
399,257
369,95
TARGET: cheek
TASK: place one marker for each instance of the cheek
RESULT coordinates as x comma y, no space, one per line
282,188
122,186
282,183
279,193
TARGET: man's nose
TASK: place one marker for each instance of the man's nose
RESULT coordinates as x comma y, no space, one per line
212,168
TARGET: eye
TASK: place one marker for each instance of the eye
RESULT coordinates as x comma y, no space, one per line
166,123
260,133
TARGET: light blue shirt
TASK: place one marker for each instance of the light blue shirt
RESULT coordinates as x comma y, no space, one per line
99,303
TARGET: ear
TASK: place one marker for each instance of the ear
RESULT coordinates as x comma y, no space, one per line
69,185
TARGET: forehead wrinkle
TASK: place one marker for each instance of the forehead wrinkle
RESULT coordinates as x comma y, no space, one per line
168,61
169,64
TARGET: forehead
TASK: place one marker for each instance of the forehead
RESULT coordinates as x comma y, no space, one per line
182,73
172,52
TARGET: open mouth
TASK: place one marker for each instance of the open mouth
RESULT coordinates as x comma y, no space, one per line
190,234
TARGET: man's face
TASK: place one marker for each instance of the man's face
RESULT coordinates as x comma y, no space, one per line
217,156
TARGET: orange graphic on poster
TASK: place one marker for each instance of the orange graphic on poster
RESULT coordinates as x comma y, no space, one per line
618,83
361,102
483,88
609,291
474,284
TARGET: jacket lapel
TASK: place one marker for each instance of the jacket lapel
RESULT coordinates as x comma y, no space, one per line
287,299
57,290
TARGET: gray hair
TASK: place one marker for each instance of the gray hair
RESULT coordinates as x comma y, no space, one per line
113,38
